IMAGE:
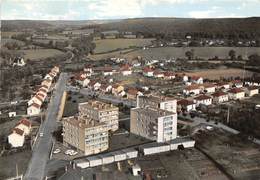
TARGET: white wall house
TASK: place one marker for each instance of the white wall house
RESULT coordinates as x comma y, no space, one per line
35,99
220,97
252,90
186,105
16,138
236,93
203,99
196,80
192,89
209,88
223,85
25,125
148,72
33,109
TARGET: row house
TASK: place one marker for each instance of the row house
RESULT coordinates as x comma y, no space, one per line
209,88
220,97
22,129
252,90
186,105
148,72
192,89
203,99
255,81
223,85
236,93
126,70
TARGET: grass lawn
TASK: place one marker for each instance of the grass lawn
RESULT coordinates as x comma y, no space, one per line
40,53
106,45
202,52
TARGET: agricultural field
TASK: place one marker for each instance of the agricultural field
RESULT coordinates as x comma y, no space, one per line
8,34
218,73
40,53
106,45
200,52
118,54
9,40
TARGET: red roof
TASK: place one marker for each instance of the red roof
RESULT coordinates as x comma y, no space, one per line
208,85
185,102
132,91
147,69
18,131
202,97
38,97
235,90
158,73
35,105
25,122
219,93
192,87
125,67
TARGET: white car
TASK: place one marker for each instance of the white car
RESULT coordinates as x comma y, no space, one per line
56,151
41,134
68,151
73,153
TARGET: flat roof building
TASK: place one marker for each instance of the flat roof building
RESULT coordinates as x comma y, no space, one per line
160,102
86,135
155,124
101,112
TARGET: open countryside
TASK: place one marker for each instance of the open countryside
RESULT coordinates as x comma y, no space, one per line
106,45
40,53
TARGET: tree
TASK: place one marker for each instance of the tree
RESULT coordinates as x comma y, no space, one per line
232,54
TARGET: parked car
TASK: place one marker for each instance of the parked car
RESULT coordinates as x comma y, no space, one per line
56,151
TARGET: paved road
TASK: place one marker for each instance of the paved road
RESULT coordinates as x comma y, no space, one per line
43,145
109,98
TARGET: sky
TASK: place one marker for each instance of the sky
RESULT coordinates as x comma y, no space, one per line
120,9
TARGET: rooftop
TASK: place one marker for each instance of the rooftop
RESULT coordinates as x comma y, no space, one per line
153,112
99,105
82,122
202,97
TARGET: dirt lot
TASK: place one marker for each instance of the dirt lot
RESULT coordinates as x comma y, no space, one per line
40,53
106,45
202,52
217,73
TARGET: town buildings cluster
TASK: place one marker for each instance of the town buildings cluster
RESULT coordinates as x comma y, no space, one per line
35,103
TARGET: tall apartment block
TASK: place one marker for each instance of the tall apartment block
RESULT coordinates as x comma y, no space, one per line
161,102
88,136
155,124
101,112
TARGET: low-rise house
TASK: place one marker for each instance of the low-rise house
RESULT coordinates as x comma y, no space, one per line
203,99
220,97
94,85
237,84
36,99
192,89
132,93
82,81
148,72
116,89
88,69
209,88
186,105
223,85
47,83
16,138
196,80
126,70
34,109
108,71
252,90
25,125
236,93
158,74
19,61
169,75
106,88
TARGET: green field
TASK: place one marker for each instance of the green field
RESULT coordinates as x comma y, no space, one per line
106,45
40,53
200,52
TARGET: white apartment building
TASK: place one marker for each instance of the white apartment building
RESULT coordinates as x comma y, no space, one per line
101,112
155,124
88,136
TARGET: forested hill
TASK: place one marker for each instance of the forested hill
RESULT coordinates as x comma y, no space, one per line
246,27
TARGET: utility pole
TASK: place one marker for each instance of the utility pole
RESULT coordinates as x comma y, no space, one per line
228,115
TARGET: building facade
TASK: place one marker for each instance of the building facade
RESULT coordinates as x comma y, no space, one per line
88,136
101,112
155,124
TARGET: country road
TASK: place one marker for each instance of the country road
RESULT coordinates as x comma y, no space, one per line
43,145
